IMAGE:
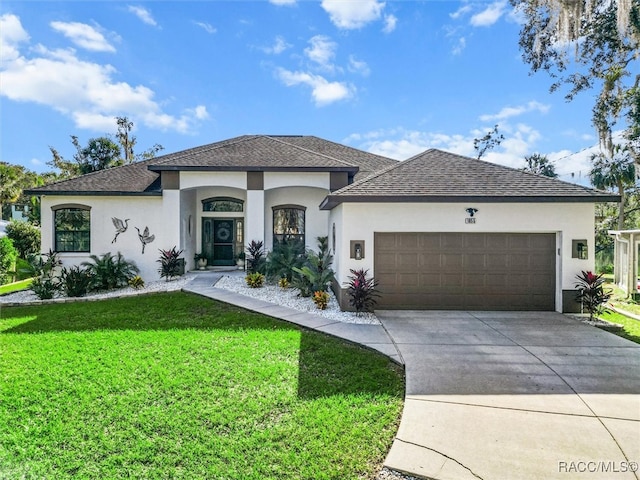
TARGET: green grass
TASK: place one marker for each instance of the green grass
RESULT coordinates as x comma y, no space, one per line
620,299
15,287
631,329
178,386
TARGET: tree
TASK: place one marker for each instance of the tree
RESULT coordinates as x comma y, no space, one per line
102,152
491,140
584,44
11,182
128,141
615,172
540,164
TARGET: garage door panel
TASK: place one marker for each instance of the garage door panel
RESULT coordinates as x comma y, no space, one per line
486,271
430,280
452,280
408,261
499,262
450,261
408,241
430,261
451,241
497,242
474,241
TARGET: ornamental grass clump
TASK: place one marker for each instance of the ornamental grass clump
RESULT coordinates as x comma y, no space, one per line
362,291
591,293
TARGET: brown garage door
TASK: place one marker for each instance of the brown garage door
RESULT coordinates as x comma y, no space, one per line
470,271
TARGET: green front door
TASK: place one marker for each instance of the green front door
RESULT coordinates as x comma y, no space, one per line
220,237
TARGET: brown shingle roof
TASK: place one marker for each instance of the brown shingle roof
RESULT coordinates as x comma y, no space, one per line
438,176
134,179
248,152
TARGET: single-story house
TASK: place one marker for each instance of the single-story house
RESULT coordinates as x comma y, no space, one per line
438,231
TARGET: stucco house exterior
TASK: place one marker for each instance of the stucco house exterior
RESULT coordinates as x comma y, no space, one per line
438,231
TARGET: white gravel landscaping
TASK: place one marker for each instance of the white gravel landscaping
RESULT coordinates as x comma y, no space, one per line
28,297
288,297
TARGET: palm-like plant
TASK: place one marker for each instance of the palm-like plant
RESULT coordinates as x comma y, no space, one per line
316,275
614,172
110,271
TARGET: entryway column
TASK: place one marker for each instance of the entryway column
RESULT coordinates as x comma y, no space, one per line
254,214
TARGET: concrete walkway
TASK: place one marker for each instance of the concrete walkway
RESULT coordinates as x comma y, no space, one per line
497,395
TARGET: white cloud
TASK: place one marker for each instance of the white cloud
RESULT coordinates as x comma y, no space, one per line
323,91
322,51
357,66
283,2
279,46
207,27
490,15
84,36
85,91
459,46
399,143
350,15
508,112
390,22
463,10
11,36
143,14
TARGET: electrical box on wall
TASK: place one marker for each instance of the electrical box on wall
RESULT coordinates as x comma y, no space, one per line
356,249
579,249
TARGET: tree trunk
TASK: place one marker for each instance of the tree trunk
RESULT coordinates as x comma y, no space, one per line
622,205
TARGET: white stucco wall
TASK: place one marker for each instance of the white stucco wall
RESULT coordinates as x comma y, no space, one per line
309,197
157,213
569,221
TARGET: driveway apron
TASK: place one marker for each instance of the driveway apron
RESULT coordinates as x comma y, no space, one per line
514,395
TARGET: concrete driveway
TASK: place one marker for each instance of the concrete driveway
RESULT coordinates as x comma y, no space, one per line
504,395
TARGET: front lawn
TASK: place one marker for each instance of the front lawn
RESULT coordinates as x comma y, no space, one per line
15,287
178,386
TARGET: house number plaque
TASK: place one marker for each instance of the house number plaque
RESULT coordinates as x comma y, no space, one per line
470,220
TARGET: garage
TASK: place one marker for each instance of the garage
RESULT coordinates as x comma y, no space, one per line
470,271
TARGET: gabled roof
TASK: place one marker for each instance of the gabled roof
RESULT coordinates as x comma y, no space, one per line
438,176
244,153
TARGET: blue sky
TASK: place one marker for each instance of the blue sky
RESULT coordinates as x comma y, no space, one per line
393,78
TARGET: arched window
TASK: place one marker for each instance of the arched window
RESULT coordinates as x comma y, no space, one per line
288,224
222,204
72,228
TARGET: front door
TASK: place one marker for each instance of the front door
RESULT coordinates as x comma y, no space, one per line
219,240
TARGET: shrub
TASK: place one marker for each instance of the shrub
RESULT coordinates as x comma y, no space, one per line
109,272
136,282
169,263
362,291
316,274
8,256
255,261
321,299
45,285
591,293
283,283
75,281
25,237
282,260
255,280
